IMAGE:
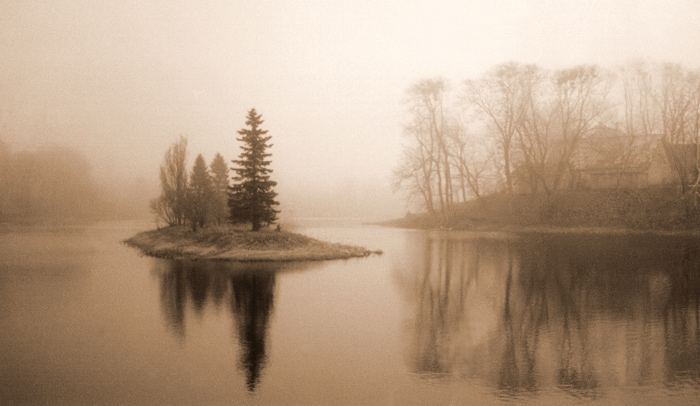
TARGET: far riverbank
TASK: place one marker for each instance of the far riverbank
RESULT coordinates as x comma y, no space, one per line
645,210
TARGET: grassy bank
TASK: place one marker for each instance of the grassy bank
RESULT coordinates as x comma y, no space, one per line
227,243
648,209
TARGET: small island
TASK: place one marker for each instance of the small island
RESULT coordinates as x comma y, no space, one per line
208,218
227,243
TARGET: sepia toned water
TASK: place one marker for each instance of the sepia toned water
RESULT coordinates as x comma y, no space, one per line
440,318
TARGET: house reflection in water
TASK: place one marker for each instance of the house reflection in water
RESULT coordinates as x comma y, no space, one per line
248,288
554,312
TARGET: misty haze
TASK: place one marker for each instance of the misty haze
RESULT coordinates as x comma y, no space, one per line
299,202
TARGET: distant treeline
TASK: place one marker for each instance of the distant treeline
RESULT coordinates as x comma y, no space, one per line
49,183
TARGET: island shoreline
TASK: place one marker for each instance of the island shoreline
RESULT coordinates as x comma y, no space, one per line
227,244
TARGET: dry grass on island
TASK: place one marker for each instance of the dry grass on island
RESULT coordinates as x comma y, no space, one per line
231,244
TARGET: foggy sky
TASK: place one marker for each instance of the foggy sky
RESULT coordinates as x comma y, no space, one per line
120,80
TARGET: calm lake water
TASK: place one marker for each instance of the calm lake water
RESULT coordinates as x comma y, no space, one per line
441,318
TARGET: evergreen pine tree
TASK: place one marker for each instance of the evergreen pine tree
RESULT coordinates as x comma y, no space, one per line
219,177
200,194
219,173
251,198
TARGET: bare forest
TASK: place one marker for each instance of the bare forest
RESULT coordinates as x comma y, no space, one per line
524,129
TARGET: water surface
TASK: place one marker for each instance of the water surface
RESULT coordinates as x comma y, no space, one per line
440,318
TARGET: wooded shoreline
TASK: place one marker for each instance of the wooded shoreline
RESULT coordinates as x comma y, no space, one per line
658,210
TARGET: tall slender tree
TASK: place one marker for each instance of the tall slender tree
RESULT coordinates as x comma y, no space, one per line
199,194
498,98
219,176
251,198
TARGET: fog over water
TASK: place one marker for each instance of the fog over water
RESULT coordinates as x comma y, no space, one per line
119,81
442,317
94,92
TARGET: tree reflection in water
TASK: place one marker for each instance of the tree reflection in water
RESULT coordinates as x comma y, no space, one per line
250,289
251,303
554,312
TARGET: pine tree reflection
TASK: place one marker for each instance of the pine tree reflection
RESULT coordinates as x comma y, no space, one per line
560,311
252,303
249,288
219,288
198,283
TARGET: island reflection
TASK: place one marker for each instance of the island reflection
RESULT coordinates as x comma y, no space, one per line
248,289
554,312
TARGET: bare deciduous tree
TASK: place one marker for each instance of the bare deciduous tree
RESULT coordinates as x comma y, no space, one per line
534,131
426,169
428,102
580,102
414,177
542,127
472,159
638,89
675,101
678,102
171,204
498,96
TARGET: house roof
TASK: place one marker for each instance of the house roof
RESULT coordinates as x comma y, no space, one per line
611,150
